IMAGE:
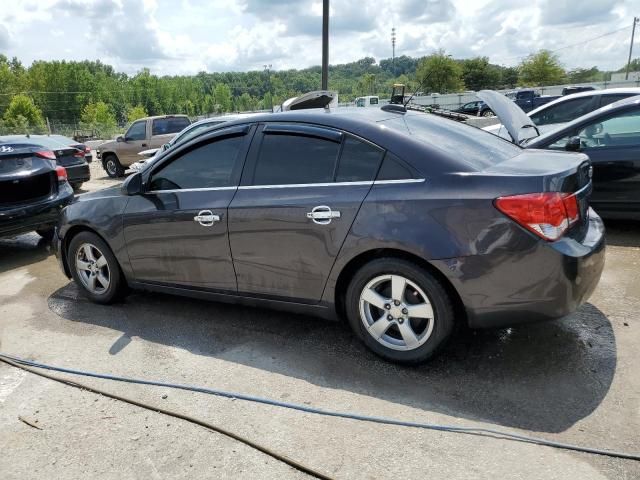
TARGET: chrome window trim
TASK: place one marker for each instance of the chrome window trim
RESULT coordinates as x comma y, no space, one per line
293,185
332,184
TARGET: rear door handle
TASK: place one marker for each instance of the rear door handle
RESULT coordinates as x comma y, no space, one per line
206,218
322,214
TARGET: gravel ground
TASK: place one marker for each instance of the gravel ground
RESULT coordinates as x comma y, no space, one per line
573,380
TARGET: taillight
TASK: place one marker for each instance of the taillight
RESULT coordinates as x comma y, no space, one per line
62,174
549,215
48,154
79,154
87,150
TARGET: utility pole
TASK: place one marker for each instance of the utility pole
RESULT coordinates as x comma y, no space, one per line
325,45
393,49
633,33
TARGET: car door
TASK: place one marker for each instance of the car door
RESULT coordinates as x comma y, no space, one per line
176,232
135,140
613,145
301,189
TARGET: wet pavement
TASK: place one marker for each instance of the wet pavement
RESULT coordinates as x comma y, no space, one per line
573,380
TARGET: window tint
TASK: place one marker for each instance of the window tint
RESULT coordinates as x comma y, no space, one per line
291,159
359,161
564,111
207,166
607,99
137,131
394,169
373,101
619,131
192,132
162,126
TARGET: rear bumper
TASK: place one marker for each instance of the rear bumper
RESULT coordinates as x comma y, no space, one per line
78,173
42,215
543,282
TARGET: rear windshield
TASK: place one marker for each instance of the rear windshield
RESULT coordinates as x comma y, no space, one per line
51,143
474,146
163,126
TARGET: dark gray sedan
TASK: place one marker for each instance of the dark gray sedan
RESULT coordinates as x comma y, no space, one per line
404,223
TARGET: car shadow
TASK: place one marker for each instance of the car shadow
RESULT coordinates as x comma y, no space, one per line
542,377
623,233
23,250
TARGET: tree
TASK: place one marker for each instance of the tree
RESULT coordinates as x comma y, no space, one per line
222,98
478,74
509,77
366,84
134,113
581,75
22,116
542,68
100,117
440,73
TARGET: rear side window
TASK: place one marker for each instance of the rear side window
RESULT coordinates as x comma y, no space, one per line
293,159
607,99
163,126
206,166
394,169
359,161
373,101
564,111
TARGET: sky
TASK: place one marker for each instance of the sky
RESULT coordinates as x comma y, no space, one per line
172,37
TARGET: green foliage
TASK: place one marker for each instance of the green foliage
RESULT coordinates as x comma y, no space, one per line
440,73
634,66
582,75
478,74
222,98
99,117
22,116
542,68
134,113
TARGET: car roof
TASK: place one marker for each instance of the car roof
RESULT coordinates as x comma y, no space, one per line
42,140
588,93
620,105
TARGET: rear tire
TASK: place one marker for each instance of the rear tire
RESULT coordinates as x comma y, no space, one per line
95,269
112,166
76,186
400,311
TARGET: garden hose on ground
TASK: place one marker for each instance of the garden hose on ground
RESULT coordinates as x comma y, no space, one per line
29,365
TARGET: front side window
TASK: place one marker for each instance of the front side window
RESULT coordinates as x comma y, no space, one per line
295,159
163,126
137,131
619,131
206,166
564,112
193,132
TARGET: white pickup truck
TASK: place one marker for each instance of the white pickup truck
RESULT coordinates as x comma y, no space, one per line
151,132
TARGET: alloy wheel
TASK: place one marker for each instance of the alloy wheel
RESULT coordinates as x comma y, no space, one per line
396,312
93,269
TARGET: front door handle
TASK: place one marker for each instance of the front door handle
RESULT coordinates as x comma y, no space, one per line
206,218
322,215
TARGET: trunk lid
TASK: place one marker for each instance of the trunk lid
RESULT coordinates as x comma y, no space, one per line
517,123
24,177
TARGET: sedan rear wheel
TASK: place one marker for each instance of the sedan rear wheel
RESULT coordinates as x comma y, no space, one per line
94,268
400,311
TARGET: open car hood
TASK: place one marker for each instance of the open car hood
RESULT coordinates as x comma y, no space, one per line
316,99
517,123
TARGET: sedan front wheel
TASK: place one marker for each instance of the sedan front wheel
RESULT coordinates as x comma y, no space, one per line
399,310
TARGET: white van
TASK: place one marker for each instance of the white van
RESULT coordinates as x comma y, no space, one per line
368,101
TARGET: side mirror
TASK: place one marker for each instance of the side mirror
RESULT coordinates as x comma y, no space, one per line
573,145
132,185
120,138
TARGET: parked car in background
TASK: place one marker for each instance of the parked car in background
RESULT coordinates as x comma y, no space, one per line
71,158
475,108
577,89
368,101
72,143
33,189
405,230
610,136
151,132
528,99
191,131
565,109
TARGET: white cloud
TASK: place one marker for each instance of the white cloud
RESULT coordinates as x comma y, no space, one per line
187,36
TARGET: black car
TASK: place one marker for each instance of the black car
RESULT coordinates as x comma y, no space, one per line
71,158
73,143
610,136
577,89
33,190
405,223
475,108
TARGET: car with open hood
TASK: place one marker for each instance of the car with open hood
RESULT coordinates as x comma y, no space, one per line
610,136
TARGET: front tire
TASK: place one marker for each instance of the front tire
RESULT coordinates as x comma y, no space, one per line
487,113
112,166
400,311
95,269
